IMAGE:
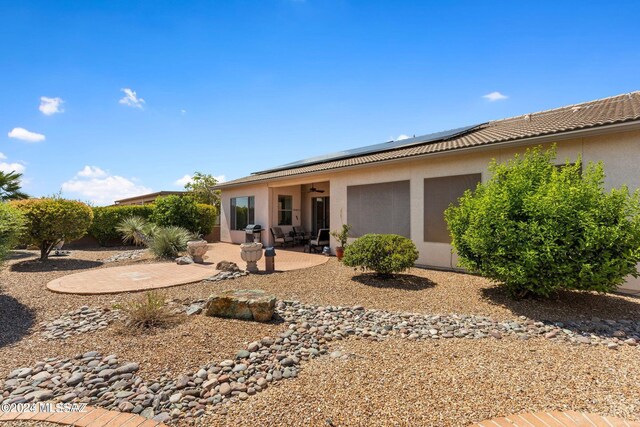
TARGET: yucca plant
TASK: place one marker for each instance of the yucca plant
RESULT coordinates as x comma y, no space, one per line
136,230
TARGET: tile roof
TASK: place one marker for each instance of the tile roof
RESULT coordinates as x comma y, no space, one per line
601,112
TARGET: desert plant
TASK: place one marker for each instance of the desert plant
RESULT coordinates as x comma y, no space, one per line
538,228
107,218
136,230
12,224
10,186
383,253
51,220
168,242
342,235
149,311
176,211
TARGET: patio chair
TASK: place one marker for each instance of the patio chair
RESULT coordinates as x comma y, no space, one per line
320,241
299,235
279,237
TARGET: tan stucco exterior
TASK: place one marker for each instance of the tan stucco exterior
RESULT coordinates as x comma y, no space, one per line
619,151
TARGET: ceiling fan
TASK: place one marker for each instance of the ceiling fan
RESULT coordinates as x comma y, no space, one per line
313,189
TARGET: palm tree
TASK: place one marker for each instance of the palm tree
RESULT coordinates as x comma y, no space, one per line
10,186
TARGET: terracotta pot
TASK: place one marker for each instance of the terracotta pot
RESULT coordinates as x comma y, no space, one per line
339,252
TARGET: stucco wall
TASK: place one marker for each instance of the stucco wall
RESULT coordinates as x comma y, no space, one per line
620,153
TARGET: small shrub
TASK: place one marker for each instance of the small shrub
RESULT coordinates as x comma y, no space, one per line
537,228
12,225
176,211
149,311
383,253
342,235
168,242
206,218
107,218
51,220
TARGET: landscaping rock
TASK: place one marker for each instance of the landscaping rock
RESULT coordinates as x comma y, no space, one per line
242,304
184,260
227,266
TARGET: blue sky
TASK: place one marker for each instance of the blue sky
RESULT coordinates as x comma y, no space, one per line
231,87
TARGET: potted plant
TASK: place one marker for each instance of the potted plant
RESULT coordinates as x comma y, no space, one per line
341,236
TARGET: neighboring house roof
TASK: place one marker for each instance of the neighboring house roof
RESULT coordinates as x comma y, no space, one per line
592,114
150,196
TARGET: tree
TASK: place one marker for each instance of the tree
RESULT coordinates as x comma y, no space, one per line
176,211
51,220
201,187
11,228
10,186
538,228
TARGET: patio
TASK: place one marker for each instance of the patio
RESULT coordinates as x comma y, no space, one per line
142,277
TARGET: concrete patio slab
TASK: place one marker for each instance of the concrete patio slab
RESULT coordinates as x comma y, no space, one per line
142,277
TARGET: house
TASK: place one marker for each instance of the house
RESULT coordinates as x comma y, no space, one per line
403,187
145,199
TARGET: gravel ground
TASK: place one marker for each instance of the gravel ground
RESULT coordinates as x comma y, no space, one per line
449,383
392,382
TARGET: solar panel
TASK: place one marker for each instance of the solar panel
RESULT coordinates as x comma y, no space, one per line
376,148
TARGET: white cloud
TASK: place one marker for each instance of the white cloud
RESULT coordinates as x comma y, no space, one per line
11,167
131,98
403,136
494,96
49,106
92,172
183,181
183,112
187,179
95,184
25,135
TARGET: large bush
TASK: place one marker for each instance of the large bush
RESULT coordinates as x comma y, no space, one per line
11,227
538,228
176,210
206,218
383,253
51,220
184,212
107,218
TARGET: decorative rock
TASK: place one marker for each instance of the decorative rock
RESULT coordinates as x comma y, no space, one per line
184,260
242,304
227,266
225,389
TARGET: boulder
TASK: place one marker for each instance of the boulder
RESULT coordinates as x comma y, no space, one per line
227,266
243,304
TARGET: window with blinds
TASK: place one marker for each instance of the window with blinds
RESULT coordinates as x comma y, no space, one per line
379,208
439,193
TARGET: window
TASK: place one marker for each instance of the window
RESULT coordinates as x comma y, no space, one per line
379,208
285,210
439,193
242,212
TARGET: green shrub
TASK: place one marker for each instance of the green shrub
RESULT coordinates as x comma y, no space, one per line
12,223
168,242
136,230
206,218
538,228
51,220
176,211
107,218
383,253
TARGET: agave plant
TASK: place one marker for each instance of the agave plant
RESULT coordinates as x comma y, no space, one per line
168,242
